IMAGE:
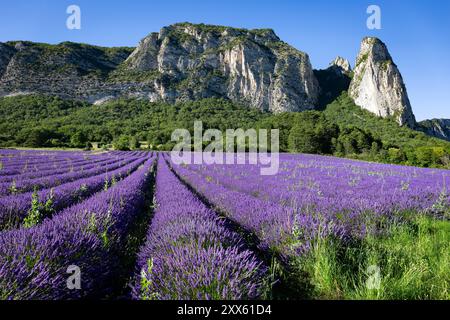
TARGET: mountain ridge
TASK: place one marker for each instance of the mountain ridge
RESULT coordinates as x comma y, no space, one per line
439,128
188,62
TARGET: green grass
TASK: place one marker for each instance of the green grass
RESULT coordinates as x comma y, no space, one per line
412,261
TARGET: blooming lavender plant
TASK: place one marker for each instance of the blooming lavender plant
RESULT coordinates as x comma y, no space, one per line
24,185
14,209
33,262
323,195
189,253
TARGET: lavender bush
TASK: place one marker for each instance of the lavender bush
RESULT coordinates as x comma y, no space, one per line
34,262
190,254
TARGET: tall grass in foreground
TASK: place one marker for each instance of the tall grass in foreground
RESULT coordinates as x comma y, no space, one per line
410,261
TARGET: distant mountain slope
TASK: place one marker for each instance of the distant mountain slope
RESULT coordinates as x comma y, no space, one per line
439,128
68,70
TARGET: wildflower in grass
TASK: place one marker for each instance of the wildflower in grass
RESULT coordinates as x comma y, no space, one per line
113,180
146,282
442,205
106,185
39,211
34,214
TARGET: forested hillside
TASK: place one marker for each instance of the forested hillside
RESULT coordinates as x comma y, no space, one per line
342,129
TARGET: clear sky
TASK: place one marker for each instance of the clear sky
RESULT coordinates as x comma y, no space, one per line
417,32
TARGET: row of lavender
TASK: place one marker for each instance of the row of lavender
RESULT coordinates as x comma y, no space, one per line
14,209
189,252
13,162
313,195
18,159
51,178
88,236
56,168
272,223
337,184
32,159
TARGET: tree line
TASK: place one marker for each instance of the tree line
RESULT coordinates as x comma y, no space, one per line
342,129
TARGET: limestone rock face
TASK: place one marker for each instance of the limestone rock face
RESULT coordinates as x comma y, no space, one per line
342,65
377,84
181,62
251,66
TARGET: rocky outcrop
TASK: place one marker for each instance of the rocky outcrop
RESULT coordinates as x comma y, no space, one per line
68,70
333,81
6,53
250,66
181,62
439,128
377,84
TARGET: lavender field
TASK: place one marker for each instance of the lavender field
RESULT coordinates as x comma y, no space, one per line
135,225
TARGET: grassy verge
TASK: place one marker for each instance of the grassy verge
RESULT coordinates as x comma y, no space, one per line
412,261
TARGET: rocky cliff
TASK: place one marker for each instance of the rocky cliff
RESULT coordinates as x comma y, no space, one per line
377,84
439,128
250,66
341,66
6,53
181,62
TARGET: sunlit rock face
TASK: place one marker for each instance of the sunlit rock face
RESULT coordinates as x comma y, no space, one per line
377,84
250,66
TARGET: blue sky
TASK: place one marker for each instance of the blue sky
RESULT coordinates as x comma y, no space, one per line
417,32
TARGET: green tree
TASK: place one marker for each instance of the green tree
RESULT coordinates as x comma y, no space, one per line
396,155
354,140
122,143
38,138
134,143
431,156
312,133
78,140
